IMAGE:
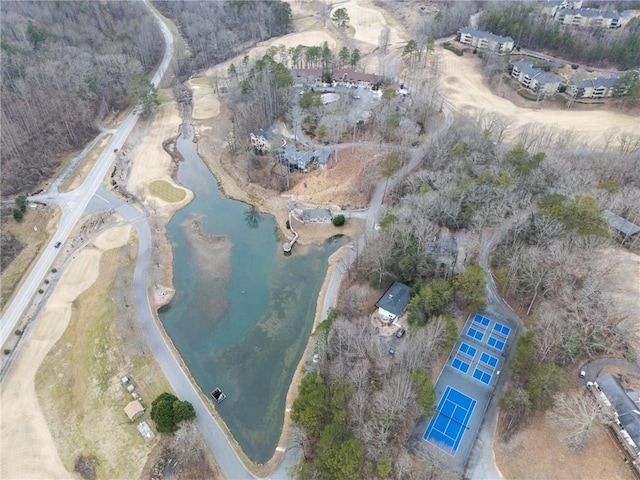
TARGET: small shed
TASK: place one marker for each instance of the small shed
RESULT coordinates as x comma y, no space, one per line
134,410
394,301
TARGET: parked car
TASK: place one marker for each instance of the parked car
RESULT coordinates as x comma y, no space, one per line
57,245
400,332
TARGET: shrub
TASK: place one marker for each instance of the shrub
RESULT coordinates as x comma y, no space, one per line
17,215
54,270
86,467
18,332
167,411
7,351
46,281
40,291
339,220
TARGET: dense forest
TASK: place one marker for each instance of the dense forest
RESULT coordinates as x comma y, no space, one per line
63,65
592,46
216,31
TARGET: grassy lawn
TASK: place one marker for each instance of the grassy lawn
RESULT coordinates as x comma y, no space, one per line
78,383
84,167
33,241
167,192
527,95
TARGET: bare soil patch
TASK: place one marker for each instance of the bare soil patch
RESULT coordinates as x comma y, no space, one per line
346,183
624,287
537,452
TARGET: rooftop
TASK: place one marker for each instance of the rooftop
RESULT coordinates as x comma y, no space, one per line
134,410
620,224
627,410
482,34
540,75
587,12
395,299
302,158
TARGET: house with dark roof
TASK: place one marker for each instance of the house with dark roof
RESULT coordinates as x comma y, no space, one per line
586,17
535,79
621,225
300,160
394,302
485,40
625,410
600,87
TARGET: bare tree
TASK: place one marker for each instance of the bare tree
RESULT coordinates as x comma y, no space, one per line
577,412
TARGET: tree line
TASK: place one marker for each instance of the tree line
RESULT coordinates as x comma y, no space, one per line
217,31
593,46
64,65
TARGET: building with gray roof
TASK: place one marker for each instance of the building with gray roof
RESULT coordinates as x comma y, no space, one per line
625,410
586,17
484,40
394,301
599,87
621,225
535,79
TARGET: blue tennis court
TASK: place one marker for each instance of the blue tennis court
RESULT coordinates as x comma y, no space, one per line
448,426
467,350
495,343
501,329
489,360
484,377
480,320
460,365
477,334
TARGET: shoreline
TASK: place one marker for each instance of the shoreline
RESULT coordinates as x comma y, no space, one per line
265,201
228,189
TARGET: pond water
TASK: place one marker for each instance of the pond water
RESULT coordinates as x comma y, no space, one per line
241,327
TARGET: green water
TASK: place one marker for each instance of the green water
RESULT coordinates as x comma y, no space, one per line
251,345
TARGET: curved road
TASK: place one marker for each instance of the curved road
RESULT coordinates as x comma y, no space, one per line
74,204
481,464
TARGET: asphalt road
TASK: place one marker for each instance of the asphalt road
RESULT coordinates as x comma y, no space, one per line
73,205
481,464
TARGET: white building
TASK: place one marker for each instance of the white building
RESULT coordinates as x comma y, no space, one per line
484,40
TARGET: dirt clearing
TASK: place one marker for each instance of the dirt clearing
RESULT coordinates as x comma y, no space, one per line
346,183
537,452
